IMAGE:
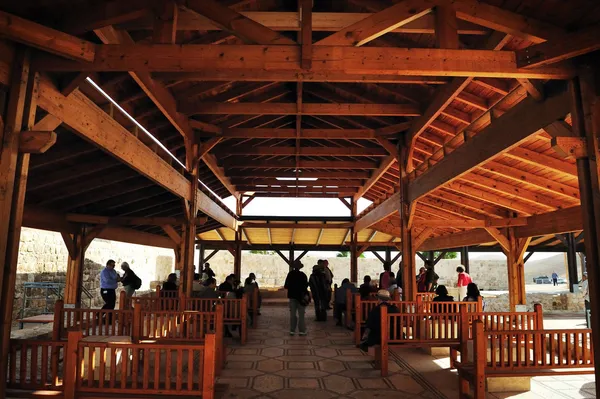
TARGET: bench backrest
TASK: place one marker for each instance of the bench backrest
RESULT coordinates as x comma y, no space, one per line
420,328
92,322
234,310
180,326
42,371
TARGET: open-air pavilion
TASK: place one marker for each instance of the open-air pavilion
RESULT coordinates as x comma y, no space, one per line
466,124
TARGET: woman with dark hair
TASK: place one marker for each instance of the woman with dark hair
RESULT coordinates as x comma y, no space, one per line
442,294
473,293
463,280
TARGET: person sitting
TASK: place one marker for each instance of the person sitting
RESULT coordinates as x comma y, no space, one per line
207,290
385,277
442,294
227,285
340,300
170,285
394,288
207,272
473,294
372,334
197,283
366,288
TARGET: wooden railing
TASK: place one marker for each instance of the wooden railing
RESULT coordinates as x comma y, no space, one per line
35,365
235,311
524,353
425,296
150,369
92,321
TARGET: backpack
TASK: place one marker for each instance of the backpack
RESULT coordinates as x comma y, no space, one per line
136,282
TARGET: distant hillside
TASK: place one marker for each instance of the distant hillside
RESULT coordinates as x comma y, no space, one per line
545,267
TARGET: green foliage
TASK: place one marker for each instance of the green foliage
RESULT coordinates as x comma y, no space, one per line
448,255
257,252
346,254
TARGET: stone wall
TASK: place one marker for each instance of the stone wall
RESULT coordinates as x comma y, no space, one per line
43,258
570,302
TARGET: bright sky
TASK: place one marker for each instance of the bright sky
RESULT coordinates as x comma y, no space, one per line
296,206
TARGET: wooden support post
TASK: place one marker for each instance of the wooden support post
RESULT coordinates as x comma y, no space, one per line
191,212
516,269
572,261
585,113
353,245
75,246
464,258
406,210
14,167
200,257
237,261
291,257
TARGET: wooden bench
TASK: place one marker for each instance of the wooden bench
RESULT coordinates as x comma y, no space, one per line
235,311
525,353
363,308
38,319
92,322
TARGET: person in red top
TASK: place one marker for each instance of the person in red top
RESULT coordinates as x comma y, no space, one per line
463,280
385,277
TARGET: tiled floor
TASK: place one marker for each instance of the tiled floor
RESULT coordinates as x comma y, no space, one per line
326,364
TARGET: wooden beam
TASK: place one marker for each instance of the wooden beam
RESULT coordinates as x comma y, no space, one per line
385,165
165,22
91,122
547,161
235,23
303,151
308,183
534,88
378,24
506,21
88,17
456,240
35,142
211,161
505,133
306,20
237,59
500,237
204,108
259,225
566,47
557,222
476,223
422,237
260,164
382,211
566,147
292,21
135,237
174,235
44,38
446,26
267,133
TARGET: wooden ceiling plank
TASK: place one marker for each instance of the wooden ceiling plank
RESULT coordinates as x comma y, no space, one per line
306,21
507,132
446,26
236,60
380,212
457,240
211,161
385,165
378,24
44,38
237,24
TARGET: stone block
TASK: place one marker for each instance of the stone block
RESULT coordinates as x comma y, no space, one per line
508,384
442,351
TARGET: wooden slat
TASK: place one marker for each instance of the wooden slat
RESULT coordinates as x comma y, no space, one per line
383,210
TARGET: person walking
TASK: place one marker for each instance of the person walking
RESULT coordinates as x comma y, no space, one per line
554,278
463,281
296,284
131,282
318,288
109,281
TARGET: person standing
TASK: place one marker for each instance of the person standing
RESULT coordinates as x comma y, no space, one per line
296,284
328,280
340,300
131,282
318,288
252,277
584,284
554,278
421,286
463,281
385,277
431,277
109,281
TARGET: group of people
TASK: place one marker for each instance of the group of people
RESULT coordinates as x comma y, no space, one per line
110,279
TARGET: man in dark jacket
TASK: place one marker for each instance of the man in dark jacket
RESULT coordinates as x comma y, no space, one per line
296,285
227,285
130,280
318,288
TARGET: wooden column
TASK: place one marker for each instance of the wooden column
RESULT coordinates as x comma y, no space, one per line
200,257
14,167
572,261
353,244
237,257
75,246
191,213
516,269
406,210
586,124
291,257
464,258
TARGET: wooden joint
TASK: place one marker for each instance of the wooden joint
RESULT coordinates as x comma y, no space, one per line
570,147
36,142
